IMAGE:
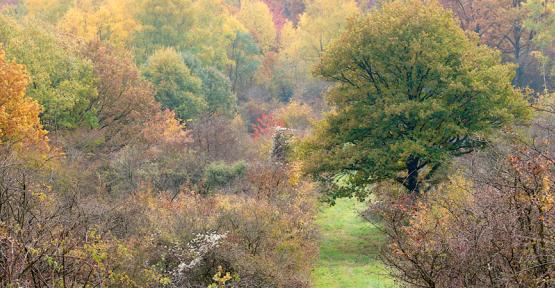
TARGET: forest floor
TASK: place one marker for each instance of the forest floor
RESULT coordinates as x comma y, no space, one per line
348,249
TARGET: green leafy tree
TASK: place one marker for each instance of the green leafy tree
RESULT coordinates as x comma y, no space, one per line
49,10
213,32
245,57
541,20
205,28
176,87
164,23
413,91
216,87
61,81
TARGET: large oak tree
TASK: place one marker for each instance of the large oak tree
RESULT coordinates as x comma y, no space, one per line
413,91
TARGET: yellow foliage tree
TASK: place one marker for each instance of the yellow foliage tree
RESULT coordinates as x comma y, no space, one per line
296,115
257,18
302,45
19,114
110,20
50,10
213,32
322,21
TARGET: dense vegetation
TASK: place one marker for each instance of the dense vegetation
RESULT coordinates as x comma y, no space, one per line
191,143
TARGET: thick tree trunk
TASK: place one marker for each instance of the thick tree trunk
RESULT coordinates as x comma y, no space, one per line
411,182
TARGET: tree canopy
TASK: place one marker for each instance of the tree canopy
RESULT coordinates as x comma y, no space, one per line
60,81
19,114
413,91
176,87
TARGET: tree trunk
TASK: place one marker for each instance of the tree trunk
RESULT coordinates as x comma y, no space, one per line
411,182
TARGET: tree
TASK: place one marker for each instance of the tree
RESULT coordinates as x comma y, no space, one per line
322,21
413,91
497,209
50,10
176,87
164,24
60,81
110,20
19,114
216,87
541,18
244,54
125,101
257,18
500,24
283,10
213,33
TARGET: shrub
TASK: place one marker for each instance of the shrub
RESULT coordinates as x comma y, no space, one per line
492,229
220,174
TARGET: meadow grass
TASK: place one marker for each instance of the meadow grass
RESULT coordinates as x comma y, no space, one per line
348,249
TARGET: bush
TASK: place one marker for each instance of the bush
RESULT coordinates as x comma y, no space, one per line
264,237
490,229
220,174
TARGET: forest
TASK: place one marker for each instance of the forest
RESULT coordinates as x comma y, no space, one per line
277,143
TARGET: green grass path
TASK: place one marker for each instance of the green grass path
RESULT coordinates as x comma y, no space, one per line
348,249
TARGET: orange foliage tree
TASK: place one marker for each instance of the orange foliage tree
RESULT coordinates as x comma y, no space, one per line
19,114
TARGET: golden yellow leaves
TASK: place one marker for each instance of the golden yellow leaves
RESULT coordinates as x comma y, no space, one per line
113,20
19,114
257,18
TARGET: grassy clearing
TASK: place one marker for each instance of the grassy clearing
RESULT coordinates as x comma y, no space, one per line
348,249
